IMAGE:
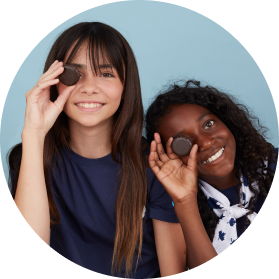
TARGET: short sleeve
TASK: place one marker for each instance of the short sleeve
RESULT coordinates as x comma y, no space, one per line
161,205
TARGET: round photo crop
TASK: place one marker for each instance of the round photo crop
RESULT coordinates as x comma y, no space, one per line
196,84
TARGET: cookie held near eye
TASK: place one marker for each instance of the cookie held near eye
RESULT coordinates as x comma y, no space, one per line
70,75
181,146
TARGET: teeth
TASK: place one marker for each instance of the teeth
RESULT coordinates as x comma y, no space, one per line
91,105
215,156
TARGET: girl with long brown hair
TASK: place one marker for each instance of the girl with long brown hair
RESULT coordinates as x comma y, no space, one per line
81,167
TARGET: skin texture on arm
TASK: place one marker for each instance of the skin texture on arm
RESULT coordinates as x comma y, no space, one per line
31,194
171,247
199,246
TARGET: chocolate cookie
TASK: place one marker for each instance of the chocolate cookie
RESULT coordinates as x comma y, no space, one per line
182,146
70,76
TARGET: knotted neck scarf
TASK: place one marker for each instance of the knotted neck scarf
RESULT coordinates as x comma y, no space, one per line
225,232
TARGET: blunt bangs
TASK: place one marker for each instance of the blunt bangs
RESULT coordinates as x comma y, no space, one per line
104,48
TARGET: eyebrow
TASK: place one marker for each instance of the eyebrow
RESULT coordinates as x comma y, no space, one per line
78,65
103,66
199,119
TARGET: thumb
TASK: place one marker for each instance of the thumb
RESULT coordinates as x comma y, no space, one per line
63,97
192,161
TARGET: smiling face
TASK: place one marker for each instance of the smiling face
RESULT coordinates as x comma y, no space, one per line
96,96
216,144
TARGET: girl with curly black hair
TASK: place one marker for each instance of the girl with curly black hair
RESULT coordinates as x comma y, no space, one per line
218,188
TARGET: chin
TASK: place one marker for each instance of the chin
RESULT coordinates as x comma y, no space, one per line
218,172
88,124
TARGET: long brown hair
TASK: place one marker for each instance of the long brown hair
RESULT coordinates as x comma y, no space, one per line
111,46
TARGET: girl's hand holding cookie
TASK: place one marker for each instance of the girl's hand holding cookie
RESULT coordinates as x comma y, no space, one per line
179,180
41,112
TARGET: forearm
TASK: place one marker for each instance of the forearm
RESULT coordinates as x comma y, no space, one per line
199,246
31,194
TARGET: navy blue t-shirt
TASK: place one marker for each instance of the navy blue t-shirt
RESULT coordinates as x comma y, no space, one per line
85,192
232,194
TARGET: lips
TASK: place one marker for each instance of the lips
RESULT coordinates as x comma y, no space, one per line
89,105
89,102
215,156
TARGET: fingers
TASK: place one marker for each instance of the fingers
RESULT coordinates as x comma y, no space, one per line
63,97
36,91
54,71
170,153
47,79
160,150
44,85
151,159
192,160
154,161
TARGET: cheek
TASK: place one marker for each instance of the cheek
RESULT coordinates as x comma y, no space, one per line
116,93
112,88
231,141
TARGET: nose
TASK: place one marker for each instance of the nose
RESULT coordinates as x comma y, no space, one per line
90,85
205,141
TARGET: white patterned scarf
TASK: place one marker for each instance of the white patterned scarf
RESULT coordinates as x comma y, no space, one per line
225,232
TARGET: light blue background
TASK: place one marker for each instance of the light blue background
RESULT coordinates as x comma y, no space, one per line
170,43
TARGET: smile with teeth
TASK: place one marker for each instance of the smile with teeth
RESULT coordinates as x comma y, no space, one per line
215,156
91,105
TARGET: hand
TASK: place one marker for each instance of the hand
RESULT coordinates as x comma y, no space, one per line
179,180
41,113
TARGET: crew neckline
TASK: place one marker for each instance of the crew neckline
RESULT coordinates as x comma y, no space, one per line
75,157
229,190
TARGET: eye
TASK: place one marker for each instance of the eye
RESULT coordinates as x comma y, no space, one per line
107,75
209,124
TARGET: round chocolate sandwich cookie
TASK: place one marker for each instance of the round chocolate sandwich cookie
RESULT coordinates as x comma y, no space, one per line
181,146
70,75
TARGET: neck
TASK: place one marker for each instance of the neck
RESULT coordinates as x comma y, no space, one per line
221,183
90,142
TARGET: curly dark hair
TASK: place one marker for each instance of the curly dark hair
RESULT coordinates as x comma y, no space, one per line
251,147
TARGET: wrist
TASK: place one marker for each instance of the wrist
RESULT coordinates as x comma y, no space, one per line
188,196
188,202
32,135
